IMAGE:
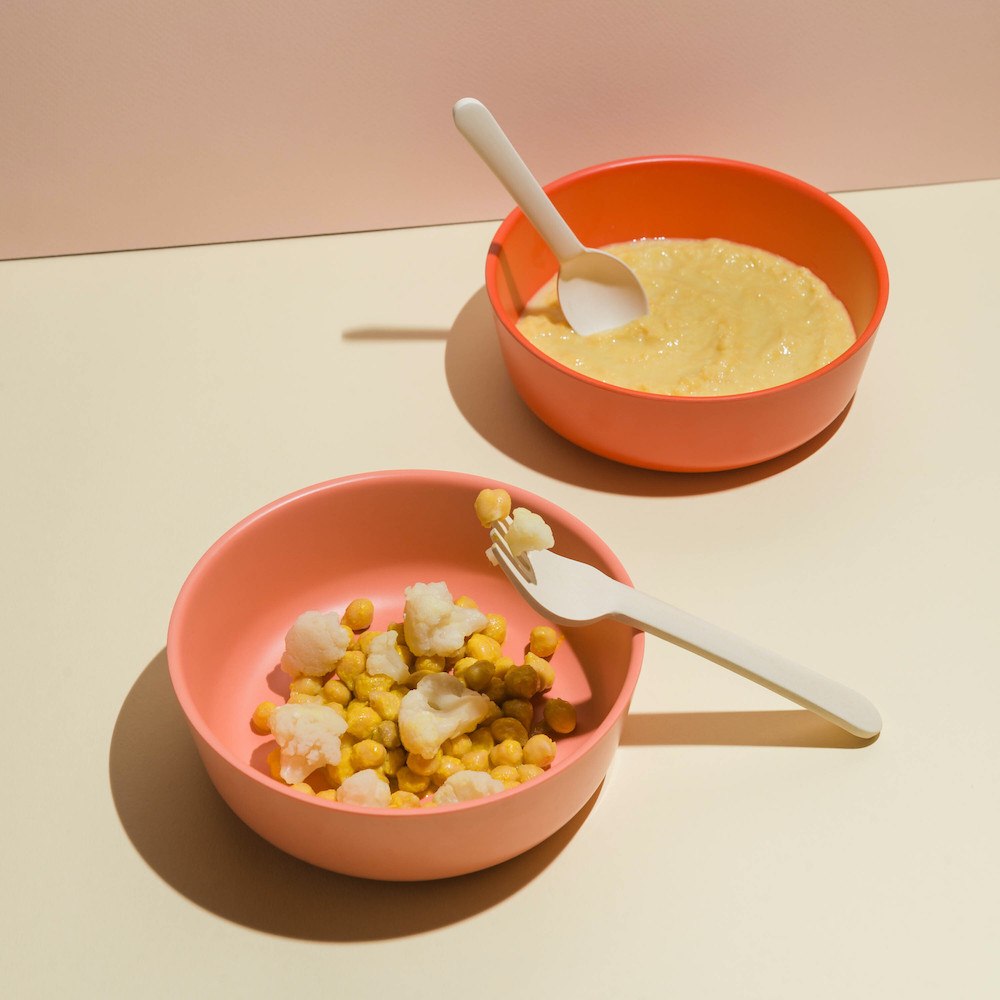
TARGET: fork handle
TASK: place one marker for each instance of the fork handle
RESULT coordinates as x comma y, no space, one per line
827,698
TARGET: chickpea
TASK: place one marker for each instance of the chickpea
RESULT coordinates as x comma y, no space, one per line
337,774
495,628
521,682
543,640
365,641
507,752
476,760
361,720
448,766
546,672
410,781
430,664
404,800
386,703
456,746
496,690
508,729
261,718
559,715
465,602
298,698
423,765
394,760
358,615
306,685
337,692
540,750
492,505
462,664
482,647
525,772
366,754
502,665
351,666
387,733
481,739
274,763
520,709
478,676
505,773
365,684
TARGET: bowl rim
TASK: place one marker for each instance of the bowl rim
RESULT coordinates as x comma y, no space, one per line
787,180
183,602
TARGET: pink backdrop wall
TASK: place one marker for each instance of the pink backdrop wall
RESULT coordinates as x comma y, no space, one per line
165,122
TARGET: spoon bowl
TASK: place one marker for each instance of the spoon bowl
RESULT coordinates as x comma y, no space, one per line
600,290
596,290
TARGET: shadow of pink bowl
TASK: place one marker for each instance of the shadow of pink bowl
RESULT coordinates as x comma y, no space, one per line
372,535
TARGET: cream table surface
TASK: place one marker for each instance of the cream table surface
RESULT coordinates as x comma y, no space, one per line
738,847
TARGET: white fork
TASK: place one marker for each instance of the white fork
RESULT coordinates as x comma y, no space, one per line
574,593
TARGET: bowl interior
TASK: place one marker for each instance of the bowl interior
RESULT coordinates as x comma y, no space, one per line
695,198
369,536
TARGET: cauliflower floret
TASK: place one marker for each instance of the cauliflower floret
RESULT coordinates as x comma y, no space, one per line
308,736
528,532
364,788
433,624
384,658
439,708
315,644
465,785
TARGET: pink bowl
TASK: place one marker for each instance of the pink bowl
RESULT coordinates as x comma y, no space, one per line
690,197
371,535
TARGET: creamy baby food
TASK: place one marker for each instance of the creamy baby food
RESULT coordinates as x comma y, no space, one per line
724,318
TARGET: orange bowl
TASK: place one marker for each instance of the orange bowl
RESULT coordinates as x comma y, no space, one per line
371,535
694,198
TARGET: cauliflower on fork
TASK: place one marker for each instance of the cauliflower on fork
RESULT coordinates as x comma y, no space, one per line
528,532
523,530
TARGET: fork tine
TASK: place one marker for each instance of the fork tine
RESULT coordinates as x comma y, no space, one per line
512,570
520,565
501,526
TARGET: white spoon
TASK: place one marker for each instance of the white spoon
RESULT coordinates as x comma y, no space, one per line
596,291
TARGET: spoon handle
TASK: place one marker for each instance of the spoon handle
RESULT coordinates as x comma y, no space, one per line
486,137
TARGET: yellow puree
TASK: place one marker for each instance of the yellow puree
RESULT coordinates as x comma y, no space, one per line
724,318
